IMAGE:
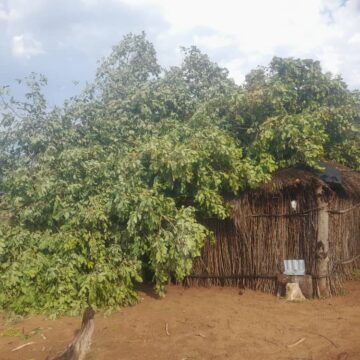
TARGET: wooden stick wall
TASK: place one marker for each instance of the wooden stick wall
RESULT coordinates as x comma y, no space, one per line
249,250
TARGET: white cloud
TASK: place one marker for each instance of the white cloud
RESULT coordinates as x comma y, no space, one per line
3,12
355,39
327,30
331,60
255,25
7,15
214,41
25,45
238,34
3,15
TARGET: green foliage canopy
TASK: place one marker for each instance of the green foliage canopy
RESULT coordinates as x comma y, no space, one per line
119,179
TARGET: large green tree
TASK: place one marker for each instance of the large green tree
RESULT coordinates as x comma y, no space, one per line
119,179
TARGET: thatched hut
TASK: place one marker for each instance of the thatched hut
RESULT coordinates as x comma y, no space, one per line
300,214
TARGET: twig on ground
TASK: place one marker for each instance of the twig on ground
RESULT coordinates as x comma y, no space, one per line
323,336
329,340
24,345
296,343
167,329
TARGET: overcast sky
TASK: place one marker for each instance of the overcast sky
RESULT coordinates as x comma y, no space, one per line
63,39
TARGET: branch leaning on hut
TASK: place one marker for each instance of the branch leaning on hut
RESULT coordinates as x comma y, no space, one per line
288,214
342,211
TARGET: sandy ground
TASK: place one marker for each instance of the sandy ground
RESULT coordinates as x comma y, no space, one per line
204,323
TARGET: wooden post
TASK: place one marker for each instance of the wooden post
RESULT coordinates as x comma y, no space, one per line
322,244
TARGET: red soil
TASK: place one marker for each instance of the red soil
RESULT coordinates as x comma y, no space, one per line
205,323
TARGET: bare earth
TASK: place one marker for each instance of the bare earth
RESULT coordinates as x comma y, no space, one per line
204,323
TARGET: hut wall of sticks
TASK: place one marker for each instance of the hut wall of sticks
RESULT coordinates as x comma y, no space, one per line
300,214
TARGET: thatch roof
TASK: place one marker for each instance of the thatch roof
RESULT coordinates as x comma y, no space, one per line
347,185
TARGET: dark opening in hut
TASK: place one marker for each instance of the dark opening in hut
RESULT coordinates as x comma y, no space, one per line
300,214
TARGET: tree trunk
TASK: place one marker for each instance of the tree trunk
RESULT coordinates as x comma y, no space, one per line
80,346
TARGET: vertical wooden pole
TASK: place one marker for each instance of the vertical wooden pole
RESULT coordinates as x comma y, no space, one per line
322,244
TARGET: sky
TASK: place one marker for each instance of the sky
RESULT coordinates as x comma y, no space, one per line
64,39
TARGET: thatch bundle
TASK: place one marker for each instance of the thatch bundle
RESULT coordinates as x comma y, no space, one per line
264,229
